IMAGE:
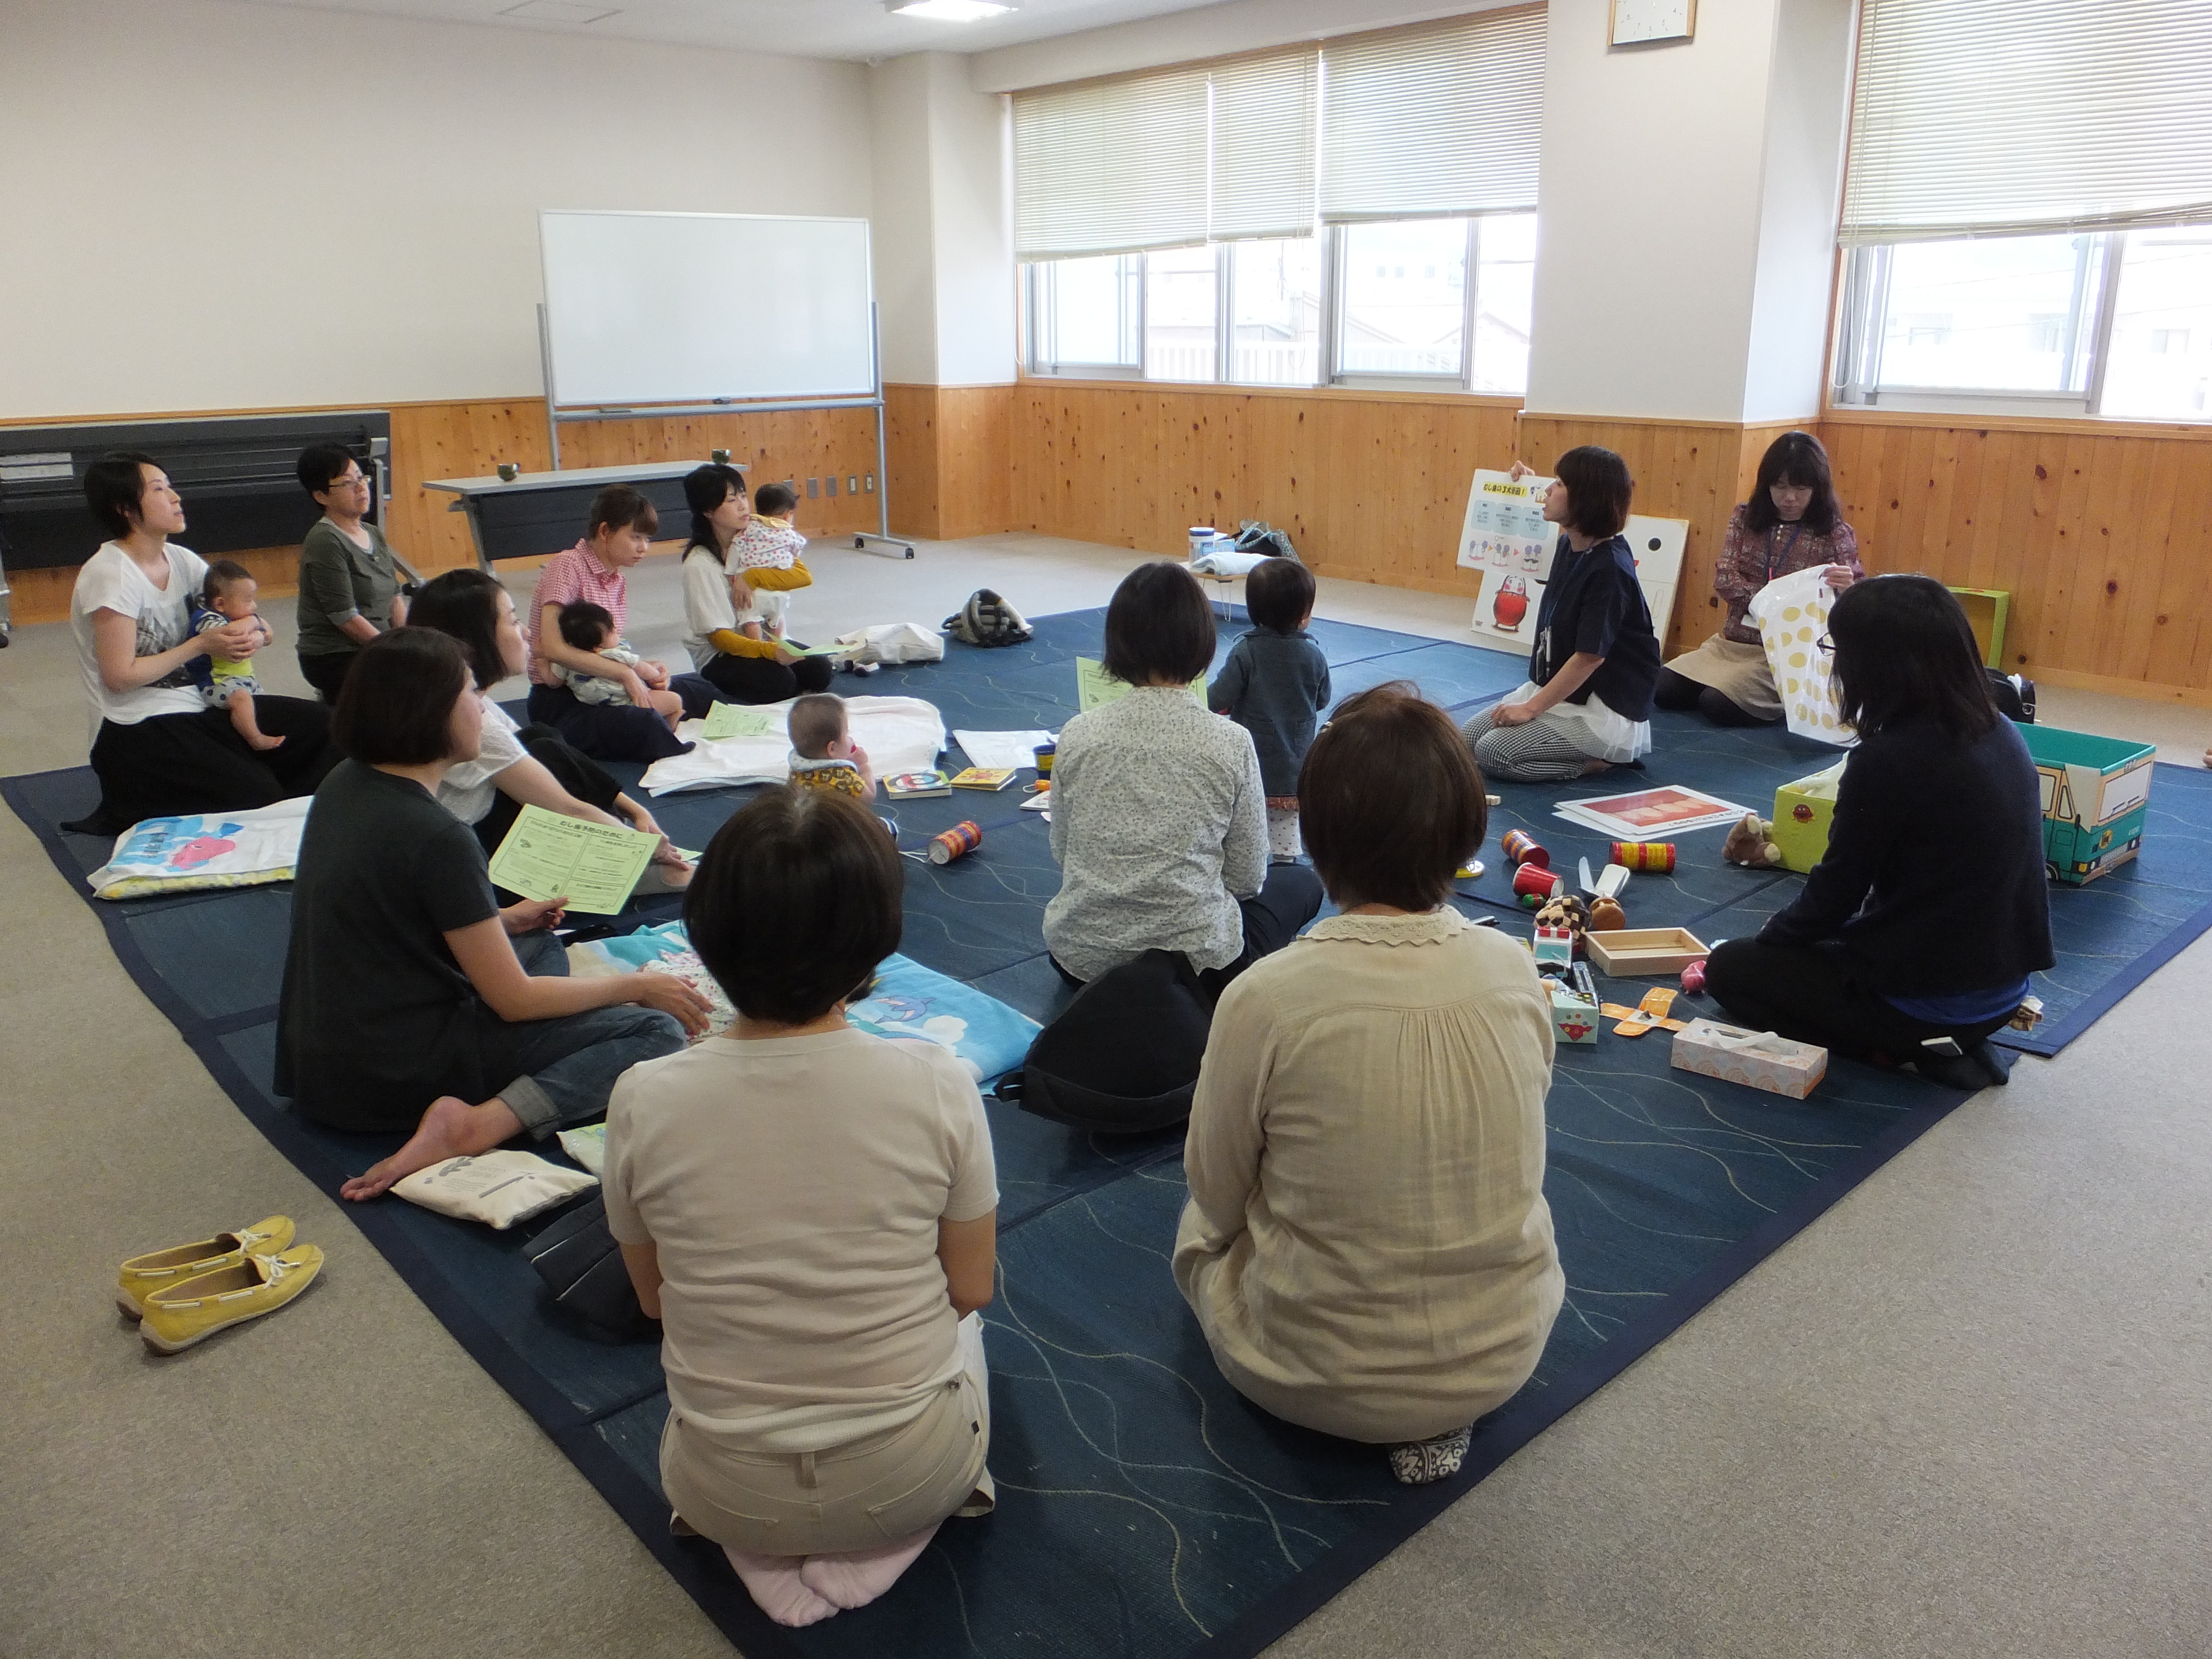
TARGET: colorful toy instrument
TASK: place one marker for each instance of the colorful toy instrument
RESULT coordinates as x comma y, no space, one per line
1645,854
961,839
1520,848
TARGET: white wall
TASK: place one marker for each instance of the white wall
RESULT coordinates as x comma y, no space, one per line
224,206
1210,31
1648,221
1688,199
944,224
1807,117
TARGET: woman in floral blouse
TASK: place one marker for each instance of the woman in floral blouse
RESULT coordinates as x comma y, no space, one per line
1790,523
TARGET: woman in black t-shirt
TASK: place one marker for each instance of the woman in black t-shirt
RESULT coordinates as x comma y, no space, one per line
409,993
1587,703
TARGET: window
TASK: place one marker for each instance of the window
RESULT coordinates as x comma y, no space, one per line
1219,222
2096,323
1274,311
2024,207
1182,298
1368,304
1085,315
1393,324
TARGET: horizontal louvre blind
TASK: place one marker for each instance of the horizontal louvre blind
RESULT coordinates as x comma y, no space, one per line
1264,110
1439,120
1110,167
1991,117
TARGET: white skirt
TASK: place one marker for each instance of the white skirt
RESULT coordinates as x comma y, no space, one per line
1594,728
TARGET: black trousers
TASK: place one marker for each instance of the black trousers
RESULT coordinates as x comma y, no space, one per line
1810,993
1680,691
174,764
577,773
1289,899
617,731
761,679
327,670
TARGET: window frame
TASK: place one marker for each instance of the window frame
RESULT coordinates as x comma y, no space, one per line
1329,371
1861,308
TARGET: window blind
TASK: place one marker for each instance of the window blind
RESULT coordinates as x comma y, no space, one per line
1439,120
1264,115
1978,118
1111,166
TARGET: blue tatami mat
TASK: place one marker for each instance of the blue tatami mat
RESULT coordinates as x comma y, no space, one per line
1145,1509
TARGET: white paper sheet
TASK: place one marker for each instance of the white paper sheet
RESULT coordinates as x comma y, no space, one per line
1012,750
901,734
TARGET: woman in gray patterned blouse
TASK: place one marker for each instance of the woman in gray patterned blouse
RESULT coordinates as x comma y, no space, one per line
1159,817
349,583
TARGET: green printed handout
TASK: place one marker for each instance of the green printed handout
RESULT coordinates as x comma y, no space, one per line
730,720
1095,688
593,866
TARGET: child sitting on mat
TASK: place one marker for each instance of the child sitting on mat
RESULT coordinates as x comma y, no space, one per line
1274,684
227,598
823,753
768,543
591,627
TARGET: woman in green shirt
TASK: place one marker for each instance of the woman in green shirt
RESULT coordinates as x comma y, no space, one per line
349,583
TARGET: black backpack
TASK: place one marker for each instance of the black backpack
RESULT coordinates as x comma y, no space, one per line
987,619
1084,1070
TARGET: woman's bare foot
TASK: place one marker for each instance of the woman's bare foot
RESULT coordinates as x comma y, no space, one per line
451,1128
777,1589
854,1578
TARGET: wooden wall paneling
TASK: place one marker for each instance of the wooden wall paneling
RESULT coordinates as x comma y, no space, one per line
910,414
2105,592
971,458
2170,652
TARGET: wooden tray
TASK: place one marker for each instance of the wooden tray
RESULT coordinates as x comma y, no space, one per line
1626,951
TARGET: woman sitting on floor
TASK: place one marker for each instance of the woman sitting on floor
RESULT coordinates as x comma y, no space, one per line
1587,703
811,1211
1159,815
742,669
160,751
1931,908
349,580
533,766
1790,523
411,1000
619,533
1366,1245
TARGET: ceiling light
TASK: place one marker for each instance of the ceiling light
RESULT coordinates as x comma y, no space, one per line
945,11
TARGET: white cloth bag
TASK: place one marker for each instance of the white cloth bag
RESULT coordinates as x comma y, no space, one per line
1791,615
892,642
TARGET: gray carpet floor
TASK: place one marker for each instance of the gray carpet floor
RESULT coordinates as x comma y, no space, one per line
1968,1413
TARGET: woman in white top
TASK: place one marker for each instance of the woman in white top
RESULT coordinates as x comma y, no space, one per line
811,1211
1159,817
529,766
743,670
160,751
1367,1246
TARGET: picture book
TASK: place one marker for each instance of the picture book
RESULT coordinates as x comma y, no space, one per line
916,785
983,777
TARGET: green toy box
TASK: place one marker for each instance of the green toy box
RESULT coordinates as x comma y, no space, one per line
2096,794
1802,811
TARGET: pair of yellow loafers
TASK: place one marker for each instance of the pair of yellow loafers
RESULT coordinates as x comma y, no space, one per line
186,1293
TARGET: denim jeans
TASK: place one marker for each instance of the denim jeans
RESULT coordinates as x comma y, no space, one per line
564,1069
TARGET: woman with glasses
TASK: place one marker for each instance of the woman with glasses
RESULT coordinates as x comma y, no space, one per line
1914,937
349,585
1791,523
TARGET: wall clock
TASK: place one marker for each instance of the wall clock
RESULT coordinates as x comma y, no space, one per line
1636,21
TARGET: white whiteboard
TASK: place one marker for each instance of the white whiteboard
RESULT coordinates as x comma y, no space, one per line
687,307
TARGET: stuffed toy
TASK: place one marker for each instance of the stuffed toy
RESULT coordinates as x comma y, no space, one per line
1751,843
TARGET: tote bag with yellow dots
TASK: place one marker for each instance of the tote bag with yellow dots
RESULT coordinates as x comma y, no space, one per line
1791,615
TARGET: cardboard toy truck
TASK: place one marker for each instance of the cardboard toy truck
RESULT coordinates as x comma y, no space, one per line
2096,794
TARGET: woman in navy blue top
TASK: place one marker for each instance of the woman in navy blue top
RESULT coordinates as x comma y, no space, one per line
1587,703
1916,933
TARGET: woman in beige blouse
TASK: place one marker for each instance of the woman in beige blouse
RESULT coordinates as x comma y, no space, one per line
1367,1246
